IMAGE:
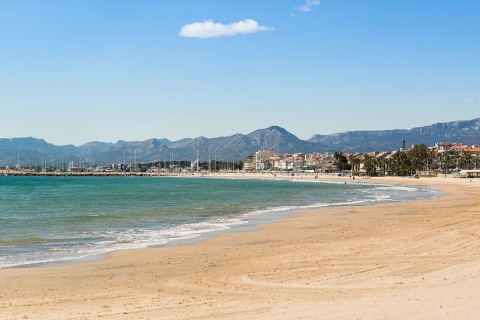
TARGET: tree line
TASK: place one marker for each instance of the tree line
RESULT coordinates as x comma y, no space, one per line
408,162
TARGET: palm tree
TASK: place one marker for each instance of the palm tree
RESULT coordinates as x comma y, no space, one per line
430,156
465,159
445,160
370,164
355,163
383,165
454,158
476,159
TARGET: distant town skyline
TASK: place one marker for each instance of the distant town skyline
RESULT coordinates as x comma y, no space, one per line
97,70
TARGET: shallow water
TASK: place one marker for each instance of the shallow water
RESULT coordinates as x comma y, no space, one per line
53,220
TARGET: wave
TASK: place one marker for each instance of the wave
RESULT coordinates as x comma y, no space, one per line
95,243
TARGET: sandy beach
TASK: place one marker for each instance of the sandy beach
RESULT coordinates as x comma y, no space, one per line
413,260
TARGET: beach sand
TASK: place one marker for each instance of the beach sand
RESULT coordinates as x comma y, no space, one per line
413,260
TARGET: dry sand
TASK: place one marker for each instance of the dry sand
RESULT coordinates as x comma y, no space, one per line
415,260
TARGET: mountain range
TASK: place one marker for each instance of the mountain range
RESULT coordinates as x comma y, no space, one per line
33,151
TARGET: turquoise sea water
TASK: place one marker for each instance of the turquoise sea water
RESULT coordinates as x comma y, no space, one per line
52,220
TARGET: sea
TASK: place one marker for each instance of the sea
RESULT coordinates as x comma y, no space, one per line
56,220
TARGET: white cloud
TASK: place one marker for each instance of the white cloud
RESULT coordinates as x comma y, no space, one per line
307,6
210,29
469,100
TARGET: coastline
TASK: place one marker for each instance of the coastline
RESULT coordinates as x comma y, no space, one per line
401,260
53,245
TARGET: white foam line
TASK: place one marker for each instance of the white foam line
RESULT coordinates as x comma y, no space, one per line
141,238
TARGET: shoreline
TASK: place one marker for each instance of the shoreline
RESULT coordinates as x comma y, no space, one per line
249,222
334,262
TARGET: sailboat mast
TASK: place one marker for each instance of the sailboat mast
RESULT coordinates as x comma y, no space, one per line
198,168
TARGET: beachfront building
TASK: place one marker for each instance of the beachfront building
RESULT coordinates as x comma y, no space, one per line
449,146
452,157
326,168
311,162
283,164
261,160
455,147
327,158
300,162
247,165
269,160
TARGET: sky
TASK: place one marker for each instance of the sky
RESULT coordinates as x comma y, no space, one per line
107,70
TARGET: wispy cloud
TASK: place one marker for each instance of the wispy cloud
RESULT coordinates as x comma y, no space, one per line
469,100
210,29
307,6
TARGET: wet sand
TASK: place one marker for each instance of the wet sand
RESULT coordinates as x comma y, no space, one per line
414,260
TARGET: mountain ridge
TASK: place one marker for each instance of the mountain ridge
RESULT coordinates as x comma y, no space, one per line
234,147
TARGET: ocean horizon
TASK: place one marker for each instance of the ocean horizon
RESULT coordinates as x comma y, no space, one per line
58,220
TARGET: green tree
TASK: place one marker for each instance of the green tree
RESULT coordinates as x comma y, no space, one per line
370,164
341,161
354,164
419,155
445,160
465,160
383,165
453,159
476,159
400,164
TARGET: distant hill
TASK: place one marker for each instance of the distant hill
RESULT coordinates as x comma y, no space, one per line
235,147
34,151
467,132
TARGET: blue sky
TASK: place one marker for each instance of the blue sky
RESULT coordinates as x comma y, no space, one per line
92,70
